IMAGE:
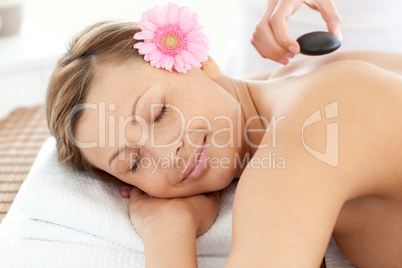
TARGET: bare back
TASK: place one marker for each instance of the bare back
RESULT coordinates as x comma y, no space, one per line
356,196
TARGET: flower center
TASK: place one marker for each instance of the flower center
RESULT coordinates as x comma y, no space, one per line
170,40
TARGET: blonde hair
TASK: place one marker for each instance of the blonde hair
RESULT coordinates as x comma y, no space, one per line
71,81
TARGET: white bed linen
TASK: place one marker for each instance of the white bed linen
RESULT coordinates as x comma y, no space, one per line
65,218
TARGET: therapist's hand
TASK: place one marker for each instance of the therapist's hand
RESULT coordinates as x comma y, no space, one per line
271,37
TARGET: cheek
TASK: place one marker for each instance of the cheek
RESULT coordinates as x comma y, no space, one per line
225,127
169,129
151,180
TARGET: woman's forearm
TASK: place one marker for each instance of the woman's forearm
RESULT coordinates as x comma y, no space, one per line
169,227
170,244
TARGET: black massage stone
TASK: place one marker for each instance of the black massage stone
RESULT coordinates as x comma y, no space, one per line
318,43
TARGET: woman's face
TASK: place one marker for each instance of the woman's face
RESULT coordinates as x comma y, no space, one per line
152,129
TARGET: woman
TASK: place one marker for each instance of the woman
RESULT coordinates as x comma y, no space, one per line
108,109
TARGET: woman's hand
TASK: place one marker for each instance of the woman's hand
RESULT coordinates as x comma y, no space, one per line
169,226
271,36
198,211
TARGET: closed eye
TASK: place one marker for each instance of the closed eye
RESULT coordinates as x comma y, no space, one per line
157,119
136,164
162,113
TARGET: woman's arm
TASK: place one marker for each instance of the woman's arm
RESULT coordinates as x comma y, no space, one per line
285,217
170,242
169,227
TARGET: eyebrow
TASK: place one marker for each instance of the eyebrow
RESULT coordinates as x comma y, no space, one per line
123,148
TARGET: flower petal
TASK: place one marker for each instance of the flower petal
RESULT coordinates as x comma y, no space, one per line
147,25
154,62
185,14
139,36
148,34
173,13
160,16
186,26
192,35
194,47
155,55
151,17
186,67
201,57
195,17
138,45
168,62
179,60
188,57
148,48
177,68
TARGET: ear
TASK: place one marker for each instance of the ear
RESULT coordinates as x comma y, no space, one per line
210,69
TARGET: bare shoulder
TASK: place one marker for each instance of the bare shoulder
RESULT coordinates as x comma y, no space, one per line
391,61
345,115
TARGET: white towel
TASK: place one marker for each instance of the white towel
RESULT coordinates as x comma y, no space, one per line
65,218
62,217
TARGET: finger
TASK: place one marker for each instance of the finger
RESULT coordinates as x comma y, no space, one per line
265,43
278,22
331,16
125,190
311,4
263,38
135,194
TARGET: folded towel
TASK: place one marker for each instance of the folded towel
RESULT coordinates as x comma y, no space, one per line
65,218
62,216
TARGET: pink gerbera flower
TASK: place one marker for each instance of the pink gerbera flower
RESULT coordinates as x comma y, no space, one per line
173,38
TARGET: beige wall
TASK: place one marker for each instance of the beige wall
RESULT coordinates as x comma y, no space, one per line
64,18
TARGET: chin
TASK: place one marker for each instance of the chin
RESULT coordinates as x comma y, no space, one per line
221,183
208,186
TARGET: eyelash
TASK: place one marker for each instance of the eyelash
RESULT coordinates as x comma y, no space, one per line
159,118
136,164
162,113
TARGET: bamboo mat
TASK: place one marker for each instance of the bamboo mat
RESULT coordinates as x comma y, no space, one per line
22,134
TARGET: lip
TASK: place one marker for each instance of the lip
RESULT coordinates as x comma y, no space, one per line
196,167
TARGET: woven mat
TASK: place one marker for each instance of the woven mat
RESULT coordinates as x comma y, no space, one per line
22,134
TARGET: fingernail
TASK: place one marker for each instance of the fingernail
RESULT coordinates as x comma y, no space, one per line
293,49
289,55
283,61
339,34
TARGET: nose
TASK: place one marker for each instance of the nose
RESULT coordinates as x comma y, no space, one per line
165,149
